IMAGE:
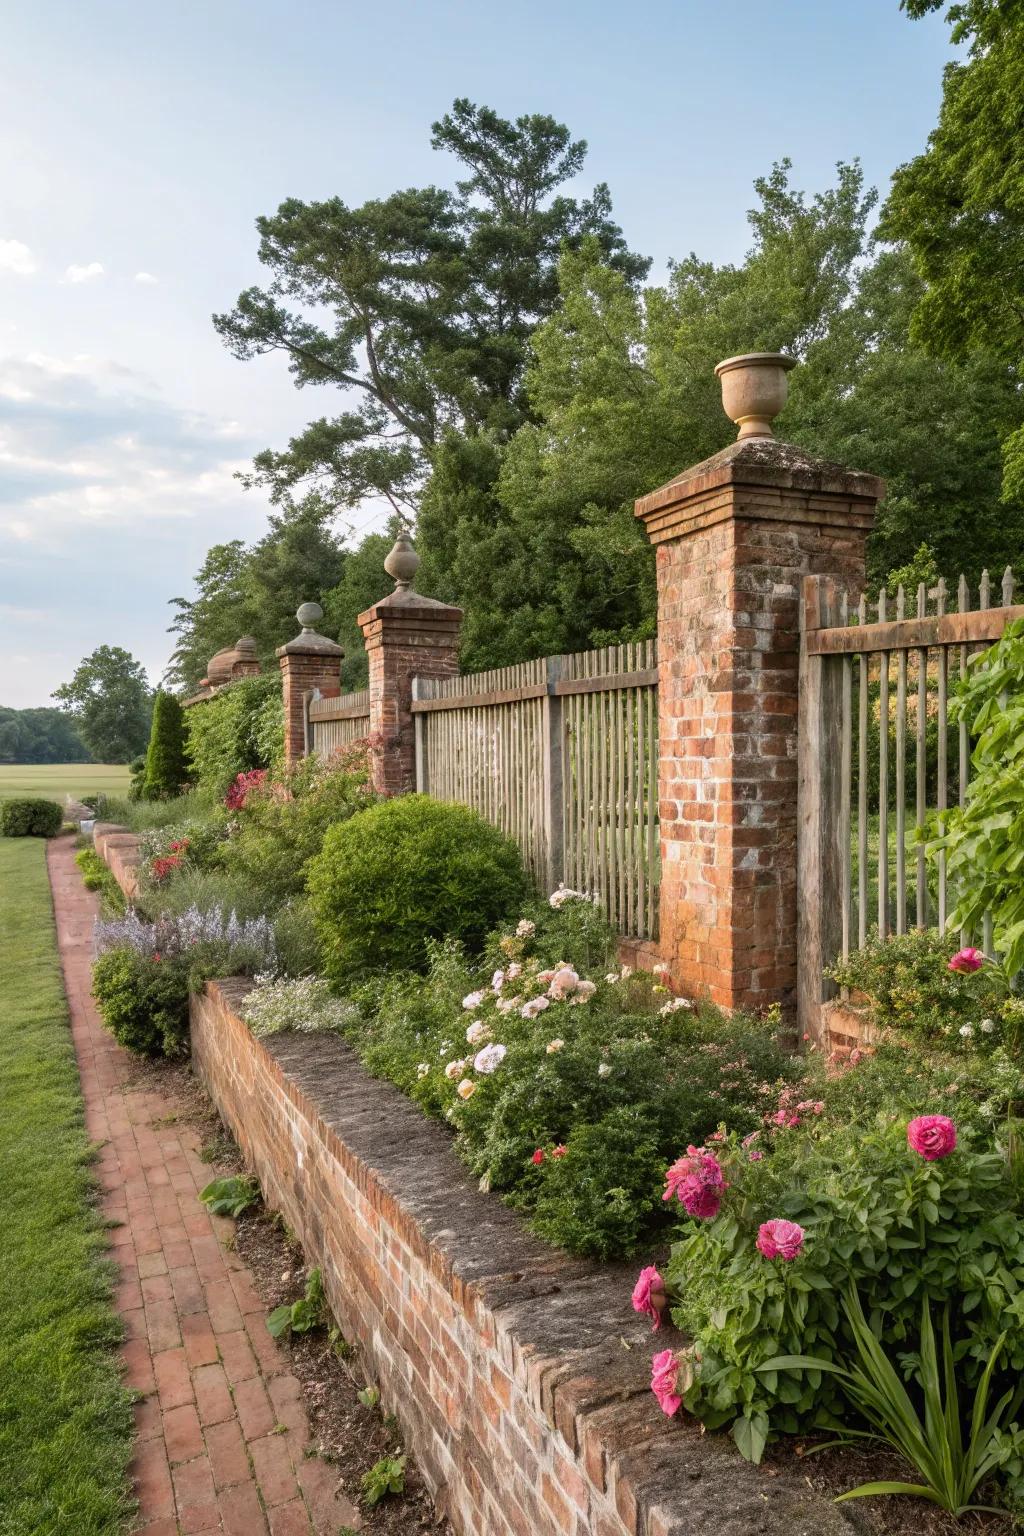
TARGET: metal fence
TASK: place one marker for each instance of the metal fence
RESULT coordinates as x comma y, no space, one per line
337,722
562,755
878,755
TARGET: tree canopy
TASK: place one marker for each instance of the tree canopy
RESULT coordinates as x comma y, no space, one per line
40,736
111,701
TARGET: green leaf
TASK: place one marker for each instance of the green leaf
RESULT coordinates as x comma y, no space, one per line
280,1320
751,1436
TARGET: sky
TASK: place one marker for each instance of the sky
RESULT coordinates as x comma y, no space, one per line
139,141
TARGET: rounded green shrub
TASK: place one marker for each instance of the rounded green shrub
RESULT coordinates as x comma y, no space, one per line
143,1000
30,818
406,871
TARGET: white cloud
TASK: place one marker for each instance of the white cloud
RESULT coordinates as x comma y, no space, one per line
16,257
86,274
146,277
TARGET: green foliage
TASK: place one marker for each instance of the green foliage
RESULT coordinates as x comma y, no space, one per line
40,736
911,988
143,1000
281,828
983,840
97,877
607,1088
110,701
228,734
875,1216
301,1316
231,1197
30,818
933,1444
66,1433
166,768
404,872
385,1477
303,1004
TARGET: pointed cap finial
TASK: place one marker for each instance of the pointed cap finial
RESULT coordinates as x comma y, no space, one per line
402,563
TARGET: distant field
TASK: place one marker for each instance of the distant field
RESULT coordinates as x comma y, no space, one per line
55,780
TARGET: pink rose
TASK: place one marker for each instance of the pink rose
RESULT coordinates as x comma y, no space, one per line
967,960
933,1136
649,1294
780,1239
560,1150
697,1181
663,1381
538,1156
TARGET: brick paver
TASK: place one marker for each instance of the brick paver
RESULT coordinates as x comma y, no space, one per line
222,1430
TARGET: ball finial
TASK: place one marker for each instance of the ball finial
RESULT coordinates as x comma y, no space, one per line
308,615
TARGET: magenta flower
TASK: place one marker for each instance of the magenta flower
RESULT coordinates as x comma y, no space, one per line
697,1180
649,1294
780,1239
932,1136
663,1381
967,960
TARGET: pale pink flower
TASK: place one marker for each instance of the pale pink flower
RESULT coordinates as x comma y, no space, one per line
584,992
755,1156
525,929
563,983
553,1046
454,1069
664,1369
932,1136
536,1005
967,960
560,1150
466,1088
546,976
780,1239
507,1004
514,970
497,981
473,1000
489,1058
649,1294
478,1032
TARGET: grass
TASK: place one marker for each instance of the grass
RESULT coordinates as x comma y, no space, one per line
65,1420
55,780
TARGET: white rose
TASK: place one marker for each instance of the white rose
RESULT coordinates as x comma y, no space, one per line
490,1057
473,1000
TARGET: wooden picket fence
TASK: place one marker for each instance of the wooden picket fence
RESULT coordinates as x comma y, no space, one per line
878,755
337,721
562,755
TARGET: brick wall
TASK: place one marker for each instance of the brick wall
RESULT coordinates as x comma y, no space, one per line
519,1375
120,849
406,636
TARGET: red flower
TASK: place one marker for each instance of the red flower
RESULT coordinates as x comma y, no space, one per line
538,1156
558,1151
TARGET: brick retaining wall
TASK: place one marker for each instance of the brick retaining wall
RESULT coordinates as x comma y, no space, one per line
519,1375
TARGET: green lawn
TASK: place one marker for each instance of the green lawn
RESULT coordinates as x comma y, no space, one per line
55,780
65,1421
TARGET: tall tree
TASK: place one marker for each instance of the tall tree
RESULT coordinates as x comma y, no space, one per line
432,293
110,699
959,206
39,736
255,591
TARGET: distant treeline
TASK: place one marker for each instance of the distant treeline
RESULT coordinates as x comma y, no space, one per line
40,736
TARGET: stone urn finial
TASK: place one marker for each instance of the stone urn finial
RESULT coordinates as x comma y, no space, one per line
402,563
309,615
754,390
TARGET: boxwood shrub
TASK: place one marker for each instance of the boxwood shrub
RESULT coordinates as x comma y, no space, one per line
30,818
404,872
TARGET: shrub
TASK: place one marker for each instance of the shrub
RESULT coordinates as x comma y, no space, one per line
406,871
278,827
30,818
97,877
983,840
859,1207
235,731
209,943
143,999
574,1107
304,1004
911,987
166,766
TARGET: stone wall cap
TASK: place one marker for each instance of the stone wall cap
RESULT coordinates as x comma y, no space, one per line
309,643
764,461
405,603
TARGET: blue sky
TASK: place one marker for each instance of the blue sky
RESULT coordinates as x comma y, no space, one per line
139,141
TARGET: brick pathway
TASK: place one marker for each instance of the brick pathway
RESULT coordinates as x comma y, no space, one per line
222,1430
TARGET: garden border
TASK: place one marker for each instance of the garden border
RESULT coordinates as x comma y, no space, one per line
519,1375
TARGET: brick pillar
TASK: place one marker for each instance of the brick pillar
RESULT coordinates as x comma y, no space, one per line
735,536
406,636
307,662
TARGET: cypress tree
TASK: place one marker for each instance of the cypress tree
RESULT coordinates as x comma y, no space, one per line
166,766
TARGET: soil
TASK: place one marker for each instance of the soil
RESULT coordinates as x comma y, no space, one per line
349,1435
352,1437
